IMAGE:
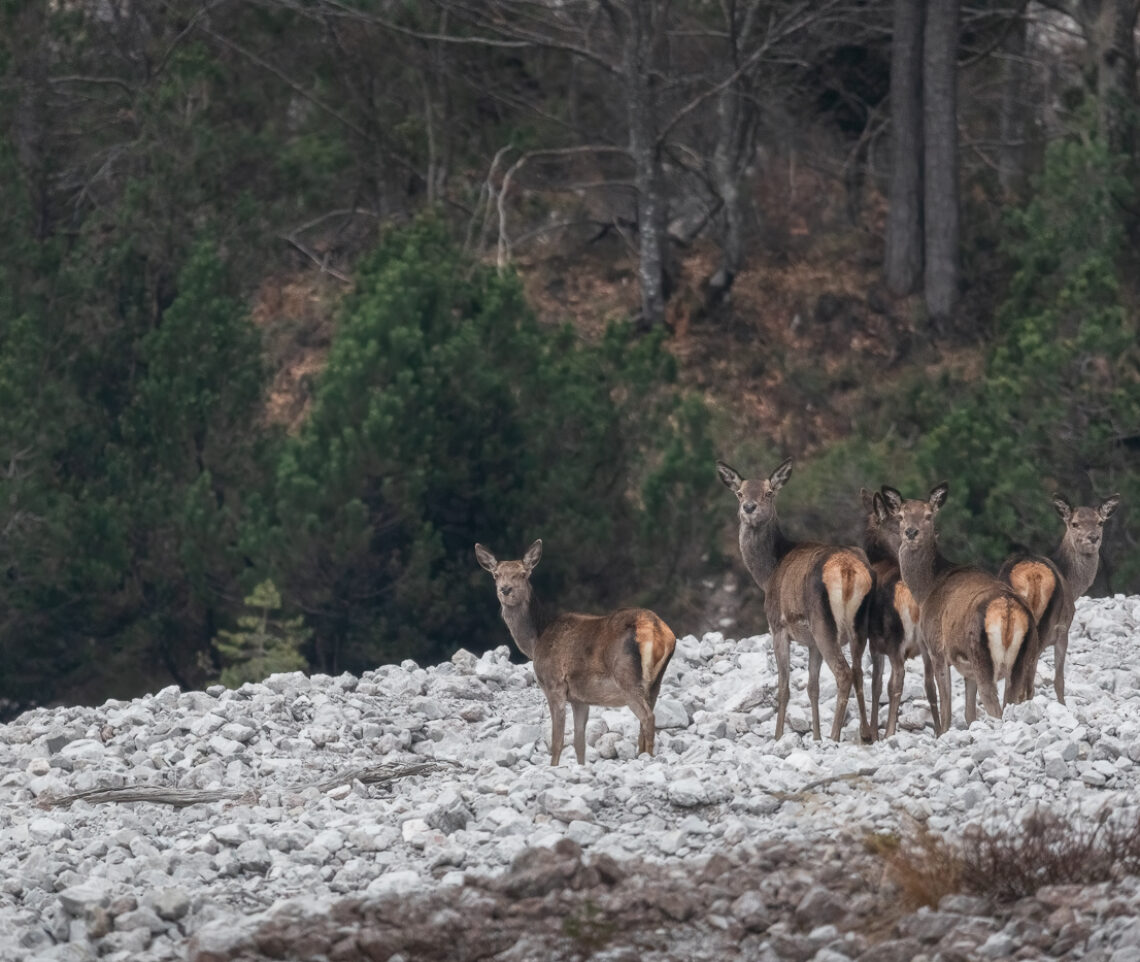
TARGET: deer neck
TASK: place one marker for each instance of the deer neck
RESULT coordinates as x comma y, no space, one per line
763,548
920,567
1077,569
526,624
877,551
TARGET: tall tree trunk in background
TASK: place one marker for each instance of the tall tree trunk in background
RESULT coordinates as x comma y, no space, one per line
940,182
1109,28
1014,110
726,164
30,122
641,101
904,214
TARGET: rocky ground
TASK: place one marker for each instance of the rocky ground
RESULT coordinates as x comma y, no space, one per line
412,814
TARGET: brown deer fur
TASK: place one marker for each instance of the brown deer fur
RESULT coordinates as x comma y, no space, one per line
813,594
1052,585
968,618
893,623
614,659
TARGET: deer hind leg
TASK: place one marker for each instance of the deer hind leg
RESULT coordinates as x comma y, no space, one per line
942,677
833,655
877,692
971,701
987,689
782,652
640,706
858,646
1061,647
815,659
581,716
557,702
894,690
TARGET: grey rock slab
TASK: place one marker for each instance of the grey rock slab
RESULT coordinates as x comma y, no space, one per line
81,898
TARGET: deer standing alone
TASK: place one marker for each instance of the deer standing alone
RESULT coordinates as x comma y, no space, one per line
1051,585
892,631
968,618
813,594
614,659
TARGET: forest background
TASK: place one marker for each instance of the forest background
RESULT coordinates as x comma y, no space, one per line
301,298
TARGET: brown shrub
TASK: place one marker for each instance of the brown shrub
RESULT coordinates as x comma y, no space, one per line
1009,860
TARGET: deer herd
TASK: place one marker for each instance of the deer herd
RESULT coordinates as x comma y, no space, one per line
897,594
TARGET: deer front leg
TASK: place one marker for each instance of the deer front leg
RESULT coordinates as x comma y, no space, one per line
557,703
781,649
815,659
581,716
877,692
928,682
898,670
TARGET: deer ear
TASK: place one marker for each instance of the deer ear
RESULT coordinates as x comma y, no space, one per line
938,495
729,476
1107,506
1063,508
868,500
485,558
780,476
879,506
892,499
533,553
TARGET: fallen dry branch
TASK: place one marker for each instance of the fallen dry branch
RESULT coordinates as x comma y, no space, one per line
182,797
382,774
157,794
802,793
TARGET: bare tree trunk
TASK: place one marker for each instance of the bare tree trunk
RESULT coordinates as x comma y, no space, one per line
1012,127
29,127
726,177
641,101
1109,27
904,215
940,131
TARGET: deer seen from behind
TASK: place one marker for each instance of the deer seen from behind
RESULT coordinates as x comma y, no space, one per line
968,618
814,594
892,632
614,659
1051,585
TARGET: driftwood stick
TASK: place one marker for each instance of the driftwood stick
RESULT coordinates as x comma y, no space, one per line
182,797
381,774
159,795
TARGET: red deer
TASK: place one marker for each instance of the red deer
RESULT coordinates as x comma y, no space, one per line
893,626
614,659
1051,585
813,594
968,618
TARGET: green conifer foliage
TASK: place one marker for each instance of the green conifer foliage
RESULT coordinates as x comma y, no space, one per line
447,415
263,645
1060,396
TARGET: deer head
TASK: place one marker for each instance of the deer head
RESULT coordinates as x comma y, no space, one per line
916,518
512,578
1084,527
882,529
757,498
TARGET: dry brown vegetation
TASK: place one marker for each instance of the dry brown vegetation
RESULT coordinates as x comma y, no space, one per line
1008,860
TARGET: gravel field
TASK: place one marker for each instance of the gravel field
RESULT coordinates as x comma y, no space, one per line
339,817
